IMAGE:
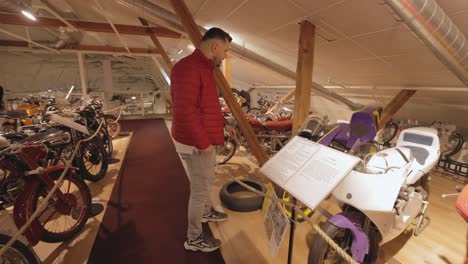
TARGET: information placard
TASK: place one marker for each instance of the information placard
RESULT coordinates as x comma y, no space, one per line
308,170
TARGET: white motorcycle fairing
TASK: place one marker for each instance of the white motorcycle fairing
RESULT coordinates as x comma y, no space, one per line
375,191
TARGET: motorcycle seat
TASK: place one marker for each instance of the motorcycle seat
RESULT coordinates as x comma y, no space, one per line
420,154
280,126
15,114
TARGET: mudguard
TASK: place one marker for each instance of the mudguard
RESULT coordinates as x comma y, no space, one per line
353,222
23,210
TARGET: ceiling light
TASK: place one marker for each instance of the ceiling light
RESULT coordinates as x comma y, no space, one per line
180,51
28,15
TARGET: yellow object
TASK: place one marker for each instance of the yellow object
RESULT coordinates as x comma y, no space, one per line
31,109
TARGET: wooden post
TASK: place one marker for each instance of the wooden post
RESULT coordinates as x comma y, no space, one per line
108,85
158,45
194,33
396,104
83,75
305,65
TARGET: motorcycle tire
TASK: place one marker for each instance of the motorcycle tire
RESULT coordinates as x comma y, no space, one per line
319,249
18,253
107,142
459,145
232,146
80,217
95,153
238,203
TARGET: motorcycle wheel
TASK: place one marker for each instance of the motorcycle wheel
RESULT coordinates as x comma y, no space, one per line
62,221
113,127
18,253
321,252
458,142
92,160
388,133
107,142
226,152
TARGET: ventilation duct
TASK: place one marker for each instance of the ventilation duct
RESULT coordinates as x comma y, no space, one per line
430,23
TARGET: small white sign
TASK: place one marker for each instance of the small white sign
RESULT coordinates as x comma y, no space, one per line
308,170
275,222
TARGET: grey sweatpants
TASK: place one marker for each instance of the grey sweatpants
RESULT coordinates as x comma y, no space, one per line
201,172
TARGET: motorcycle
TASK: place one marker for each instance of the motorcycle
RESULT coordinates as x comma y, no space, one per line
381,198
61,138
24,184
18,253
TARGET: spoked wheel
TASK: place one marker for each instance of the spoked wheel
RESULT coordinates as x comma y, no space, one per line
113,127
18,253
107,142
226,152
63,219
92,160
321,252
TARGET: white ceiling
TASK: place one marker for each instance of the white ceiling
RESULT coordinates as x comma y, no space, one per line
358,42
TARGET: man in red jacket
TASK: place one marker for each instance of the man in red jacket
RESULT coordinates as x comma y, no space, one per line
197,126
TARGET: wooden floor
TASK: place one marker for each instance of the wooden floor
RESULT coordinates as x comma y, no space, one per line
244,238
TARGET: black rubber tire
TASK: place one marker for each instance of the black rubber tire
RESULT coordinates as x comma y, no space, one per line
319,245
241,204
51,237
96,147
459,146
19,247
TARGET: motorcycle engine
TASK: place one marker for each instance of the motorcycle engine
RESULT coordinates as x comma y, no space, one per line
13,187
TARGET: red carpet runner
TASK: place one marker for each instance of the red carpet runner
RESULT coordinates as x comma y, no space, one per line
146,219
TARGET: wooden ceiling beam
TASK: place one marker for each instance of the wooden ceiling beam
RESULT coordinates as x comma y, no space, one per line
158,45
394,106
85,48
48,22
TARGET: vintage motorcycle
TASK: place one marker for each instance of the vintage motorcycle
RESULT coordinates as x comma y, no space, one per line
381,198
24,184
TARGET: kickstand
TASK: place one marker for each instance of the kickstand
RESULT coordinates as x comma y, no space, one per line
423,220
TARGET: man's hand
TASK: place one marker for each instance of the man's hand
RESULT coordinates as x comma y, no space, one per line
206,151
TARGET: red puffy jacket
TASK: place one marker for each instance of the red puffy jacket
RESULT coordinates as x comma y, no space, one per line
196,113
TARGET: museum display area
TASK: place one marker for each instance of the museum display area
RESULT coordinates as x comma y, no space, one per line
344,138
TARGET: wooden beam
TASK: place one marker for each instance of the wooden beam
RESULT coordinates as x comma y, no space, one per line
158,45
85,48
194,33
395,104
48,22
305,65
